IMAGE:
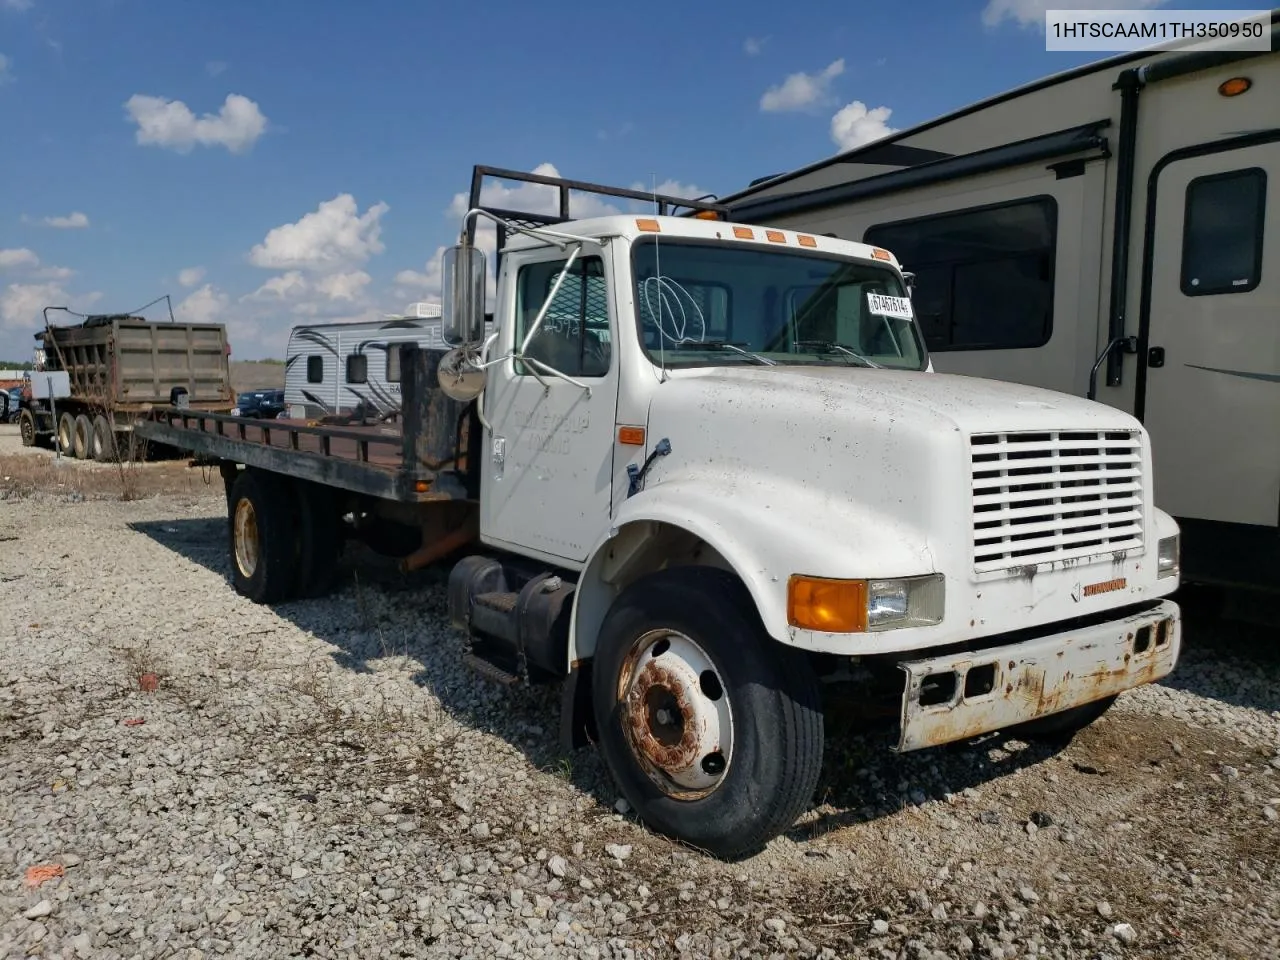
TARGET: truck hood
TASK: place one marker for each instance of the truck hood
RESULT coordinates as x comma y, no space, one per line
799,396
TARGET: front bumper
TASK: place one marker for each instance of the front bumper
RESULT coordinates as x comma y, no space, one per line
972,693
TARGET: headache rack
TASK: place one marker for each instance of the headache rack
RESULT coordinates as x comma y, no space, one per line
557,209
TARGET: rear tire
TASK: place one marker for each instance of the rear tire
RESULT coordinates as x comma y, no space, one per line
104,440
82,441
27,428
712,730
66,433
262,537
319,539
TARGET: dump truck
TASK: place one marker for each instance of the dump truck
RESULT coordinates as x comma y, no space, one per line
700,467
118,367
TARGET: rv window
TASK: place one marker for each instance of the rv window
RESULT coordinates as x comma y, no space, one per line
315,369
393,363
984,276
357,368
574,334
1222,234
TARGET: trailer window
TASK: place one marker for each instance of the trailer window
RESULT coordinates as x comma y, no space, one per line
1222,233
315,369
984,276
574,334
393,363
357,368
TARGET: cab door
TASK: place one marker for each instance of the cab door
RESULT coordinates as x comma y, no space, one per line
1212,397
549,450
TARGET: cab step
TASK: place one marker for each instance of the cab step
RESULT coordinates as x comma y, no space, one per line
490,671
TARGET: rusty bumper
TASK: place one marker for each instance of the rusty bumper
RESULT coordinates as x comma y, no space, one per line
962,695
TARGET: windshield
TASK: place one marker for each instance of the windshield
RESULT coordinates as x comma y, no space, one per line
248,399
713,303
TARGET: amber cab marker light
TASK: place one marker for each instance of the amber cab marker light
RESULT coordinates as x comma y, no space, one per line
1235,86
775,236
880,254
706,215
829,606
633,436
744,233
806,241
649,226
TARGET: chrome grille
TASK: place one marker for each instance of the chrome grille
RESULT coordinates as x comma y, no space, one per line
1042,497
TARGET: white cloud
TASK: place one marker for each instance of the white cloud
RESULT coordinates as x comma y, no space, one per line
170,123
18,5
428,280
332,236
855,125
74,221
672,188
283,287
753,45
6,71
215,67
206,305
18,257
24,261
21,303
190,276
343,286
801,90
1030,13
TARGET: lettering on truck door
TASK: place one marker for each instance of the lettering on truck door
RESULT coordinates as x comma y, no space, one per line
549,457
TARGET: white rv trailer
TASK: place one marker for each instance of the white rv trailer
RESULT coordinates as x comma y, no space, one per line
335,368
1119,220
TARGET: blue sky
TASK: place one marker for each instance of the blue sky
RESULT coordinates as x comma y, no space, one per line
271,163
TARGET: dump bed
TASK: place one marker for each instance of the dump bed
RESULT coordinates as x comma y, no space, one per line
129,363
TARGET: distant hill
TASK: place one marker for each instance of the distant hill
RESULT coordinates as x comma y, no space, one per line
257,375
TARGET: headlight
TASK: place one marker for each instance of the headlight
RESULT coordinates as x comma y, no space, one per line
1167,557
858,606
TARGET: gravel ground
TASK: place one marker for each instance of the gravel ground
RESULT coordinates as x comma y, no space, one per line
326,779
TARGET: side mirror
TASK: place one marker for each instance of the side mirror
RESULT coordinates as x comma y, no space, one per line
462,295
909,279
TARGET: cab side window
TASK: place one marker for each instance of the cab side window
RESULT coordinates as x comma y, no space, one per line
573,337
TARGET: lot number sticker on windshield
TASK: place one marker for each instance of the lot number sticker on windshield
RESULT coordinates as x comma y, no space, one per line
889,306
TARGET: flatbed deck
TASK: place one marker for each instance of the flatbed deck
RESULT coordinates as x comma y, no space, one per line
395,461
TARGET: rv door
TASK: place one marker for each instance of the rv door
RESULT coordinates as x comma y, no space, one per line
1212,360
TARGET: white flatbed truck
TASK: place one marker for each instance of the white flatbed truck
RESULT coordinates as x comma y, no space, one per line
698,466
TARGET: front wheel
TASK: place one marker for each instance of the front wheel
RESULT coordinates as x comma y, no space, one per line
263,540
712,730
27,427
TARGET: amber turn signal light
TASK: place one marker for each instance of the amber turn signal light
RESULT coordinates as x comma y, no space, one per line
830,606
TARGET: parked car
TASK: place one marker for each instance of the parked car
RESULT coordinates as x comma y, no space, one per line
9,404
259,404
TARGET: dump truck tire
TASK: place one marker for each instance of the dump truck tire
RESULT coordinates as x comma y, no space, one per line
104,440
27,428
82,442
66,433
712,730
263,538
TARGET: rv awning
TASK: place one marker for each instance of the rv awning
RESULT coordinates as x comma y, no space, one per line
1051,145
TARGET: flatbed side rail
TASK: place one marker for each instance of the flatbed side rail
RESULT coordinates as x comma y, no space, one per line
414,465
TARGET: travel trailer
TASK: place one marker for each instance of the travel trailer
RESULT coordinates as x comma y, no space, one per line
1114,232
337,368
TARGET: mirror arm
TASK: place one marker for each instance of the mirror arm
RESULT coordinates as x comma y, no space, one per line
546,304
556,373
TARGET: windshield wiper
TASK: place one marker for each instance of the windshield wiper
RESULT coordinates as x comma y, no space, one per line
830,347
722,345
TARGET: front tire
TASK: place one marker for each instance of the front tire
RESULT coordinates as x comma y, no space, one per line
712,730
27,427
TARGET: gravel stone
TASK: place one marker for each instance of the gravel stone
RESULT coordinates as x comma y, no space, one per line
326,778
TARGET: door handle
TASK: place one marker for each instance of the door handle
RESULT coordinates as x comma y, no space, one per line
1155,357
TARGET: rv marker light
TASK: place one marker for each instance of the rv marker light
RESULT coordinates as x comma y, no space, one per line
1235,86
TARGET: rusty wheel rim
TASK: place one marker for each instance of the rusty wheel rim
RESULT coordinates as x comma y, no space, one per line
246,533
676,714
